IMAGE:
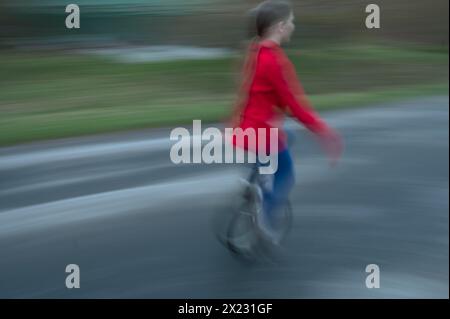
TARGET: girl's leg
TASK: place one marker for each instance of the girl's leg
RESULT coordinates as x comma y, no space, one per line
283,182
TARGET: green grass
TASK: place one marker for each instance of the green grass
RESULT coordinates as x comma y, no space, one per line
54,96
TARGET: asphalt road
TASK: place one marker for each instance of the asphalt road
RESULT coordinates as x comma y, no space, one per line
139,226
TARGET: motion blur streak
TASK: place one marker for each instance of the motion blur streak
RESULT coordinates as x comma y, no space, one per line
139,226
85,170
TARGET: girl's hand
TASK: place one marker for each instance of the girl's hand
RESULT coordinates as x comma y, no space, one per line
333,145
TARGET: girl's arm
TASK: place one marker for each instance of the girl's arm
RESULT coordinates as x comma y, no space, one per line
282,76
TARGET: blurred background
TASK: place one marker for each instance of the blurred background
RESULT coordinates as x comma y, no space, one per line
140,226
144,63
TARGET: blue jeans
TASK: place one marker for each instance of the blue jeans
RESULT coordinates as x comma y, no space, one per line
283,181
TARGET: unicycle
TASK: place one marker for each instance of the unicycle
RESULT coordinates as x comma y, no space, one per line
243,236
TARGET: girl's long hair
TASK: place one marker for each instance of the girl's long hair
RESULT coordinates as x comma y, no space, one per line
247,73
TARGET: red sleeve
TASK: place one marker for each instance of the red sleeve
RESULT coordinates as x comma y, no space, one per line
282,76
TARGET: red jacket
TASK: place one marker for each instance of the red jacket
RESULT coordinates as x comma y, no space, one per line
271,88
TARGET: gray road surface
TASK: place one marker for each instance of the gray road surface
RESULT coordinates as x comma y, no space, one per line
139,226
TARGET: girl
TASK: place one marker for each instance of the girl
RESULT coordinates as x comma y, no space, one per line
270,89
